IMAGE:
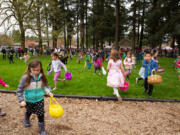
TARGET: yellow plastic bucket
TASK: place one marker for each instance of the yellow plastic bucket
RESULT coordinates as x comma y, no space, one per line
55,110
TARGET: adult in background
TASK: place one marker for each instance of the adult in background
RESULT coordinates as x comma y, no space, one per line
10,55
4,53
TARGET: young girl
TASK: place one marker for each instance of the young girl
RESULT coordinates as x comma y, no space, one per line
87,60
133,61
178,67
97,63
56,64
80,56
128,62
31,93
26,58
116,73
7,86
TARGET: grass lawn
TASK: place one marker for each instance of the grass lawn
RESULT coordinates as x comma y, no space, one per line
85,82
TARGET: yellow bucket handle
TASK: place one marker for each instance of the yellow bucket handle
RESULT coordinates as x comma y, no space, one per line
54,100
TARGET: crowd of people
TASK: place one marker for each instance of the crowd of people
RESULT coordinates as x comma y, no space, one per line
34,84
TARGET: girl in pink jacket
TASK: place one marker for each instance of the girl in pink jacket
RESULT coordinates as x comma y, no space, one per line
128,62
97,63
5,85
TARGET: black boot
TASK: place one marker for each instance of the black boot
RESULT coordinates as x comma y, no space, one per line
26,121
41,128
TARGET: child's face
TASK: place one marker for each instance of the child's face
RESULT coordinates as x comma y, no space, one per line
53,57
36,71
128,55
148,57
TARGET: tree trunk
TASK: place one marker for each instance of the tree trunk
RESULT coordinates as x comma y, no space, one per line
54,33
138,33
47,31
65,43
173,42
47,26
77,19
142,26
102,42
82,23
64,30
87,46
22,35
117,25
93,40
77,37
82,35
109,39
39,25
134,26
54,41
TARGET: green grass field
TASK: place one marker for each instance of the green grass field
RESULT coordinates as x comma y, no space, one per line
85,82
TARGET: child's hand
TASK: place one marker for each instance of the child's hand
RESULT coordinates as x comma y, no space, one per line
50,94
23,104
7,86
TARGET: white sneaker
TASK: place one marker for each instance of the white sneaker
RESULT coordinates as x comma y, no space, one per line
136,80
54,88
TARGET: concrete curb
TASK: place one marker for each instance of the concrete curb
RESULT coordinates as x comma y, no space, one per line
103,98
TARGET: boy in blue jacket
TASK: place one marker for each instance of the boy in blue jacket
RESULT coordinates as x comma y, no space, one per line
150,66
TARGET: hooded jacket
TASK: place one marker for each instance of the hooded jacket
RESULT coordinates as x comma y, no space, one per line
34,91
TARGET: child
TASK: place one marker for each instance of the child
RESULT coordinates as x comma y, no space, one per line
97,63
124,55
150,66
87,60
116,73
26,58
178,67
128,64
7,86
79,57
133,61
56,65
31,93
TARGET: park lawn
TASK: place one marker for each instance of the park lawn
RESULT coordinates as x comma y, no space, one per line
85,82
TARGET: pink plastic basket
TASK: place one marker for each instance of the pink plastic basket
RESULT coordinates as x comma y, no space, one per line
68,76
126,86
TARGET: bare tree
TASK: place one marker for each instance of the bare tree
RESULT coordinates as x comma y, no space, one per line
19,10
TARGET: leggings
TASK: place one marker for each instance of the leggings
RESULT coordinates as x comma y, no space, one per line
56,76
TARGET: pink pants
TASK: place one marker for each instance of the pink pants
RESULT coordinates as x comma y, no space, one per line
56,76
